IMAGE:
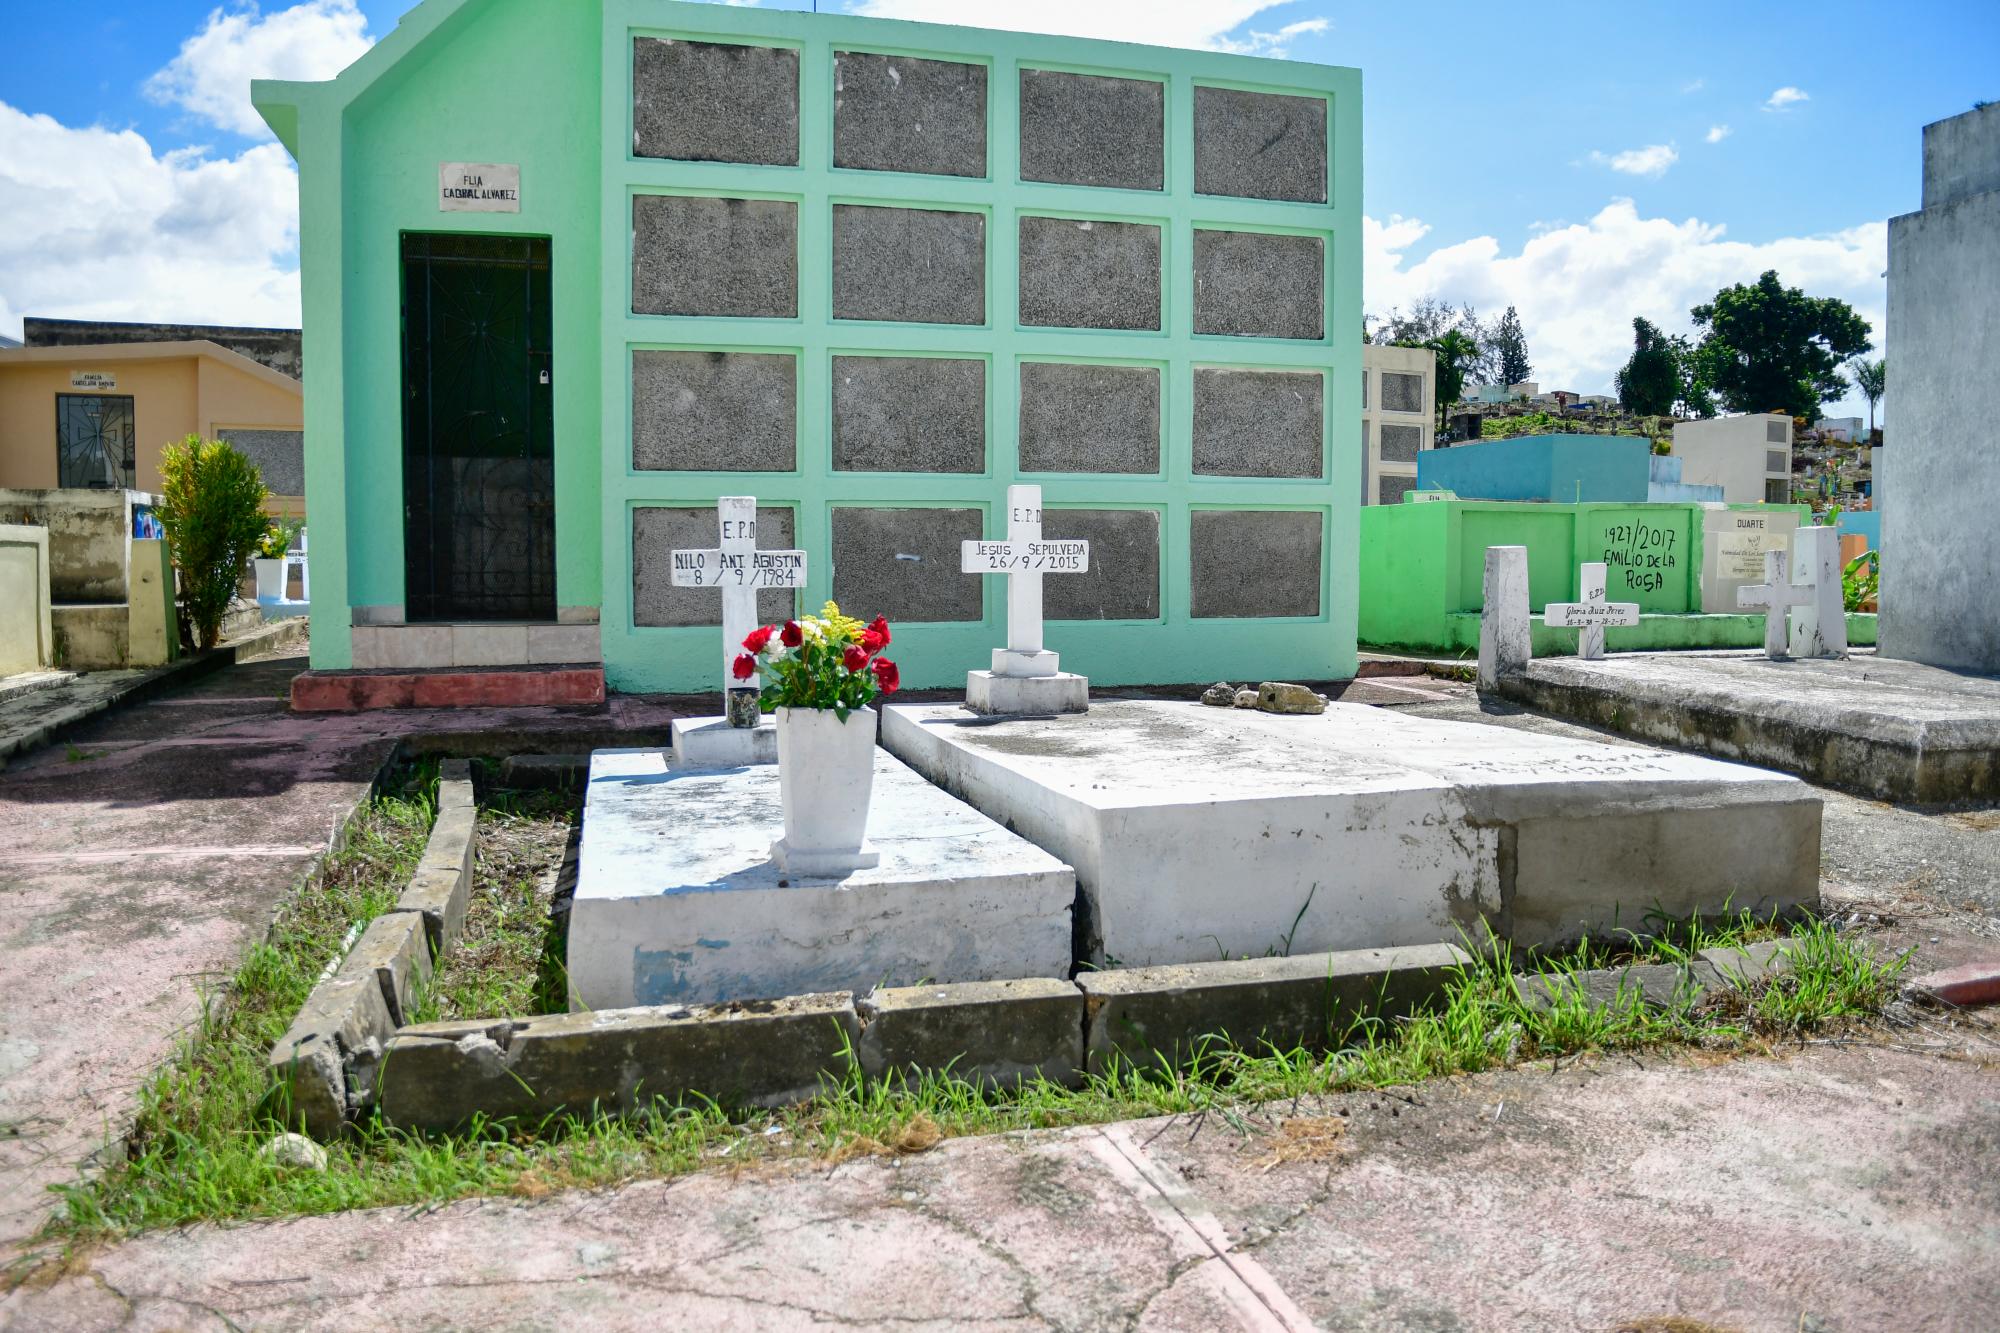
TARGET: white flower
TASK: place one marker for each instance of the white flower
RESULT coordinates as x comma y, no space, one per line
813,630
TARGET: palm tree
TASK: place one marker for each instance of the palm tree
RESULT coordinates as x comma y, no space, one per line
1456,353
1868,377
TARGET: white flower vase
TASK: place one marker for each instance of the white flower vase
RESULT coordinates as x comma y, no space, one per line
826,773
270,579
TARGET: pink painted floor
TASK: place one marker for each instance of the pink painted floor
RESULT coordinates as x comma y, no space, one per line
138,859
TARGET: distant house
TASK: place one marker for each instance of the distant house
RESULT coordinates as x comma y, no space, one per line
95,416
1750,457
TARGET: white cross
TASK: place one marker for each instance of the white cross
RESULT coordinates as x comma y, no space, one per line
1809,581
739,569
1024,558
1590,613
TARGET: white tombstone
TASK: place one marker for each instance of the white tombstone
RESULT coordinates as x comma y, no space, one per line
1025,677
1590,613
740,570
1506,636
1803,589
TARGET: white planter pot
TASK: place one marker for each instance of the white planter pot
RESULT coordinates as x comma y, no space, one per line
270,579
826,774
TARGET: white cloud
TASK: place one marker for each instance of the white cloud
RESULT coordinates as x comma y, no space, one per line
211,75
102,227
1652,160
1784,98
1207,24
1694,85
1717,133
1578,287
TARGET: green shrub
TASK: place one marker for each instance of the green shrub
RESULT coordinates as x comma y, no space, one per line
212,507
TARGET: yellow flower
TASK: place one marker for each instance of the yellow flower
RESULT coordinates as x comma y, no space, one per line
840,628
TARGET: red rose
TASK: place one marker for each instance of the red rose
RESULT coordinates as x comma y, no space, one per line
754,641
791,636
854,658
744,667
876,637
886,675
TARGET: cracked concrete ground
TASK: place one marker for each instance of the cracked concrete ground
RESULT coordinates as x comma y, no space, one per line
1835,1186
1831,1188
138,859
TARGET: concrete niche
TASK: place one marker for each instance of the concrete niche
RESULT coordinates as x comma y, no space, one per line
898,113
1089,418
1090,129
1123,582
660,530
903,563
1089,275
1402,393
1252,284
1254,562
1391,490
696,255
280,455
1258,423
1259,145
921,265
714,412
715,102
1401,444
909,414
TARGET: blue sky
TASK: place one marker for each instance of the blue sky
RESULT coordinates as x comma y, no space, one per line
1500,142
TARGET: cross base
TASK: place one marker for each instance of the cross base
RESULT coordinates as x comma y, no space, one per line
1010,662
715,742
994,694
823,864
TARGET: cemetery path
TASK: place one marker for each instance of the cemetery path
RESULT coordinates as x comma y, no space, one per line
1834,1187
138,860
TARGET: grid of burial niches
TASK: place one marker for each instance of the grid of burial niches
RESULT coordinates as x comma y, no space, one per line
1398,390
735,407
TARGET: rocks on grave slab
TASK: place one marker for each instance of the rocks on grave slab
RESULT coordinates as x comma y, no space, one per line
1220,695
1246,698
1277,696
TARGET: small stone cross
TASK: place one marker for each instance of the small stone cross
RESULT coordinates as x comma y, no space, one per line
739,569
1024,558
1810,582
1590,613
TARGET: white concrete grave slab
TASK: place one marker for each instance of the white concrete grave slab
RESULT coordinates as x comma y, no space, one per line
1802,587
1201,833
740,570
1025,677
678,902
1590,613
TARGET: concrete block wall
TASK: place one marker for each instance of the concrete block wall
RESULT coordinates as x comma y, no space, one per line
1398,419
873,273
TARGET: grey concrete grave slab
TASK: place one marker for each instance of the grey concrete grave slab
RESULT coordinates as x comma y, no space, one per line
714,411
1894,730
1093,129
1123,581
702,255
921,265
678,900
715,102
1255,562
660,530
1259,423
899,113
909,414
1081,274
1084,417
1259,145
1252,284
1000,1032
1199,832
903,562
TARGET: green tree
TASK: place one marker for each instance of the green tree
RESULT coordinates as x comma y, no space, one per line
1510,349
212,507
1869,377
1651,379
1766,347
1456,353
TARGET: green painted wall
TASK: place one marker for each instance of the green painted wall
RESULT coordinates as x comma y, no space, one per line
548,85
492,81
1423,572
